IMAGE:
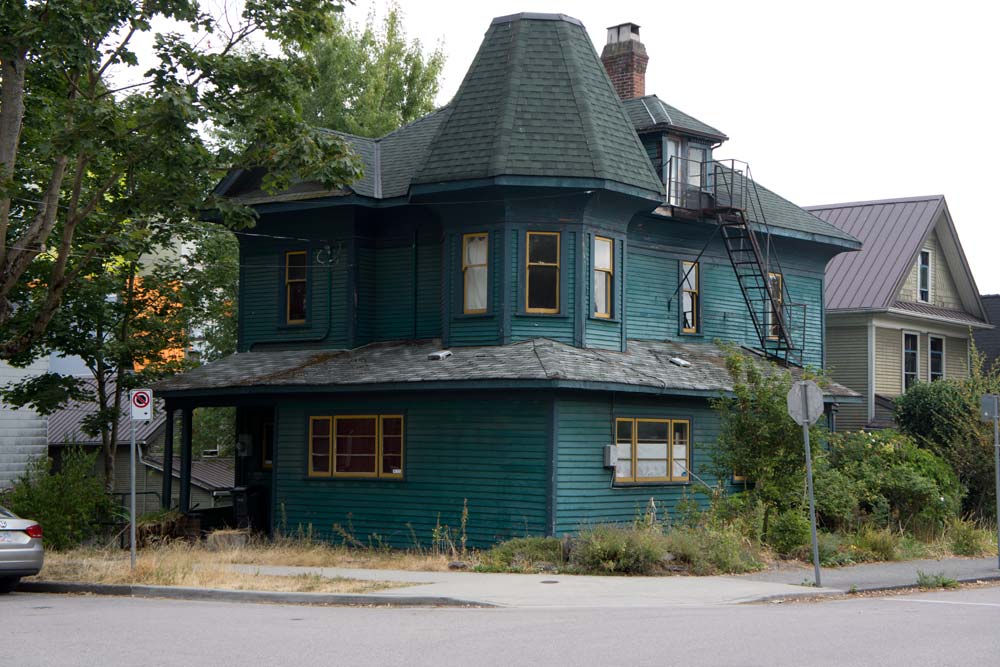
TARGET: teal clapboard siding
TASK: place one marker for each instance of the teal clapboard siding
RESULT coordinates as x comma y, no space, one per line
584,492
262,288
491,451
428,288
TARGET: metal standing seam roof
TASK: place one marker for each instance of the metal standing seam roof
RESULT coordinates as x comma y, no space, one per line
646,366
65,425
650,112
891,232
210,474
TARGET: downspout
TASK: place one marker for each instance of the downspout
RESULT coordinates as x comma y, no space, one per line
329,309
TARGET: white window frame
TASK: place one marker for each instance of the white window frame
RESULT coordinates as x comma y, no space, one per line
930,275
902,365
944,352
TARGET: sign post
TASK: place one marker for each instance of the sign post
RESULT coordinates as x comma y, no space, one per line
805,406
991,412
140,404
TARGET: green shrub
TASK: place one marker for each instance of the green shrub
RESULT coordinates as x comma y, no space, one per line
874,544
939,580
69,504
944,418
523,554
707,550
965,538
836,498
832,551
741,511
789,532
610,549
895,482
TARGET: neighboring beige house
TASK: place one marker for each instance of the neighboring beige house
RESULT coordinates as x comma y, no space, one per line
902,309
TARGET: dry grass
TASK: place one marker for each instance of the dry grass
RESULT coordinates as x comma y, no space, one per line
181,564
307,553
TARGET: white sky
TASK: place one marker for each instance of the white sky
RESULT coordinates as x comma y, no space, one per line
828,102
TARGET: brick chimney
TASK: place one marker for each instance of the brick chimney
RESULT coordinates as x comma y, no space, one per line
625,60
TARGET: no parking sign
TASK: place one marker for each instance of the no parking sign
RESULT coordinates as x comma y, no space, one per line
141,401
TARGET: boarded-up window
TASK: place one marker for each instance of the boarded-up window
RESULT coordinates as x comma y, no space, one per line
542,273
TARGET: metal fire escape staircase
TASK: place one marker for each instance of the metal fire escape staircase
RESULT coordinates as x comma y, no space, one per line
725,192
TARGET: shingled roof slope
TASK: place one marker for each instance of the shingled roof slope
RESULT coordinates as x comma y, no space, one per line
650,112
646,366
537,102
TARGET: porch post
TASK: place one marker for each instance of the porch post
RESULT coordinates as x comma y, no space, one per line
185,499
168,458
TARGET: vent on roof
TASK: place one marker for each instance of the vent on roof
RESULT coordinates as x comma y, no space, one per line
677,361
440,355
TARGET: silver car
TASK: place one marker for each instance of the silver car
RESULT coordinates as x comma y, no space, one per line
20,549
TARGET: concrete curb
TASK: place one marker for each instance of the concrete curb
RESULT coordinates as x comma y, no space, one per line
220,595
808,595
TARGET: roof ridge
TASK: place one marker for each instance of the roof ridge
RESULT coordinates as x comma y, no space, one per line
874,202
413,122
583,106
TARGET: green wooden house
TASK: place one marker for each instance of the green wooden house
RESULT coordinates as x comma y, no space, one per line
514,312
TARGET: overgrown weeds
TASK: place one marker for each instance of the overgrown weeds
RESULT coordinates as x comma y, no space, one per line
927,581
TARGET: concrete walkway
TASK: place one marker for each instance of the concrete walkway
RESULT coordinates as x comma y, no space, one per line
874,576
562,591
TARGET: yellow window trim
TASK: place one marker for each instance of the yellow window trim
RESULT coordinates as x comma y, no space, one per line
527,272
607,274
329,450
465,278
288,289
634,479
781,302
696,292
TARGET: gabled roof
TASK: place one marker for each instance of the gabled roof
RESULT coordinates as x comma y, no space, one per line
537,102
209,474
892,232
541,363
651,113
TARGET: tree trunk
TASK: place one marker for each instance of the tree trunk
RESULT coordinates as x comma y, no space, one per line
11,121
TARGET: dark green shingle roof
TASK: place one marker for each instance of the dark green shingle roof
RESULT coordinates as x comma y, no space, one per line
537,102
650,112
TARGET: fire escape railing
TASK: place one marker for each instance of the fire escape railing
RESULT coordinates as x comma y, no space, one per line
726,192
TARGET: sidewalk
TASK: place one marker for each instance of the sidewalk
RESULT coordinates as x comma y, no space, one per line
553,590
875,576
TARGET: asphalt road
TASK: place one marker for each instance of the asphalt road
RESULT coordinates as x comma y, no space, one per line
949,628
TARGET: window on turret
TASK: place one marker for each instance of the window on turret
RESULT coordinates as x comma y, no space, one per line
604,269
924,275
296,286
690,297
475,272
542,273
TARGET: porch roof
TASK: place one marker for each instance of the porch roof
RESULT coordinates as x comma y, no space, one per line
542,363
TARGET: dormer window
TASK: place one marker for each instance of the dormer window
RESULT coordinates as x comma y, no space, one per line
924,276
696,166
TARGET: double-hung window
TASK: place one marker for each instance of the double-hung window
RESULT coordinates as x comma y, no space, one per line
652,450
690,297
911,359
604,271
475,272
935,354
356,446
296,286
696,167
776,286
924,276
542,273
